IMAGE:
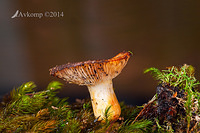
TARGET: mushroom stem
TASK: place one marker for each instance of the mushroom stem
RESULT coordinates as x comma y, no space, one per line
103,97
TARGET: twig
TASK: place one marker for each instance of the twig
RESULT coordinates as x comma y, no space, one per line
151,101
109,128
194,127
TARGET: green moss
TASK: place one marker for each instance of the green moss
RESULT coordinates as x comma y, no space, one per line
176,76
26,110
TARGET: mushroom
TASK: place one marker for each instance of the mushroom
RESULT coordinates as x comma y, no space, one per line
97,75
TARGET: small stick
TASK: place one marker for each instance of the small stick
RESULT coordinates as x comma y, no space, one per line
109,128
151,101
194,126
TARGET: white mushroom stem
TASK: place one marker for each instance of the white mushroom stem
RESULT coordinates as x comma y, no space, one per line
103,97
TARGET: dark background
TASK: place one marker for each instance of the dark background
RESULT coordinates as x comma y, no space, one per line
159,33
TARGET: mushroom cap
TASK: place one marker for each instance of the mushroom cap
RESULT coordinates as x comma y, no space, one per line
91,72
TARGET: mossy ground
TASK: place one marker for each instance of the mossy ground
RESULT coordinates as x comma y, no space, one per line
25,110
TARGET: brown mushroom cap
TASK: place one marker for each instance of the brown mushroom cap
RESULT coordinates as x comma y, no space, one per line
91,72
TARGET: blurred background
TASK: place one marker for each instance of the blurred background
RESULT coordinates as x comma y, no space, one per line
159,33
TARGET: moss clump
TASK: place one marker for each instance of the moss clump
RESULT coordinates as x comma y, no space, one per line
25,110
175,107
